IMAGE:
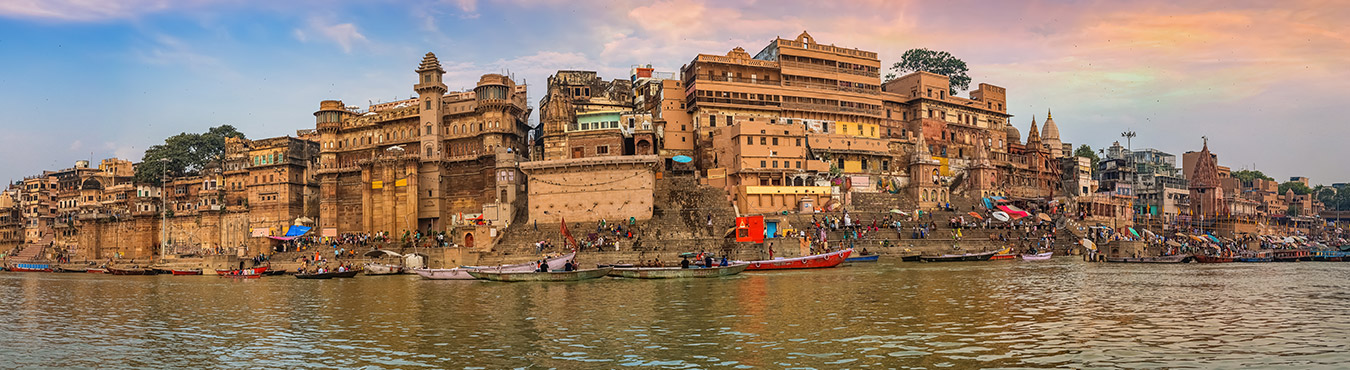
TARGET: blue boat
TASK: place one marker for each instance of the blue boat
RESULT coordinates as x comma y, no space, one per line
871,258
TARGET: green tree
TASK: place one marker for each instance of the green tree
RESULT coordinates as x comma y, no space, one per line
1298,188
1246,176
1086,152
939,62
185,154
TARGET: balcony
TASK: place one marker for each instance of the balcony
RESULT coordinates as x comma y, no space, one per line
827,48
829,69
811,107
755,81
832,87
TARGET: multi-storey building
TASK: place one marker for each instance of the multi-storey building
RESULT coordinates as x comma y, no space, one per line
585,116
424,164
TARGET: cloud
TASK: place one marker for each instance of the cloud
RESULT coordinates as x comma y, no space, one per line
171,51
345,35
468,8
87,10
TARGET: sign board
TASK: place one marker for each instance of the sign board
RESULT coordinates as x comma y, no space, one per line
329,232
377,184
259,232
401,182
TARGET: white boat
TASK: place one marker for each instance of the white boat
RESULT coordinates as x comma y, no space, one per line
445,274
1037,257
462,273
383,269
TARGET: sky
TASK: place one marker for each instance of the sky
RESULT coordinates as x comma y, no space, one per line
92,79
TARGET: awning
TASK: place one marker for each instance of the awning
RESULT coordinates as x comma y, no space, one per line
295,231
1014,212
976,215
381,253
1088,244
1043,217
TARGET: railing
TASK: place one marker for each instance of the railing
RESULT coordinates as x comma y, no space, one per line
730,60
737,79
831,87
704,99
829,69
828,49
830,108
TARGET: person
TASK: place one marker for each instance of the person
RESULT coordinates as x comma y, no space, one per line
569,266
724,261
684,263
707,260
770,250
543,267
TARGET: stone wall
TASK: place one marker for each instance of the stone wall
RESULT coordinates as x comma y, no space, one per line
591,189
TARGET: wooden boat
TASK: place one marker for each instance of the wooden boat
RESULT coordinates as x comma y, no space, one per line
1005,254
71,269
329,275
1037,257
826,260
30,267
1214,259
383,269
555,263
1251,259
541,276
445,274
97,271
251,272
1291,255
177,272
271,272
131,271
910,258
982,256
676,272
1180,258
867,258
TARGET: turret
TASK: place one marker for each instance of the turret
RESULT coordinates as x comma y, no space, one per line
430,90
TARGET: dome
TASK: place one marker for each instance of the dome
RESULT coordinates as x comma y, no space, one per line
1050,131
1014,136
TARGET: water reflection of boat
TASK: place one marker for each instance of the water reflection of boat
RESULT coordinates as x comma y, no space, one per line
982,256
826,260
676,272
328,275
131,271
541,276
1163,259
1214,259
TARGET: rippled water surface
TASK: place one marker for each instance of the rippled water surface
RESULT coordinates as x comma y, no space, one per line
1008,314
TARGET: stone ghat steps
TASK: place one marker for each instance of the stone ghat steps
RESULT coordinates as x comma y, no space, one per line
29,252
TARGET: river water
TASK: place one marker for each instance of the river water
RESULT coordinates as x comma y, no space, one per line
1006,314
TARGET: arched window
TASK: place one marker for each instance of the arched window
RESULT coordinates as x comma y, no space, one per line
428,101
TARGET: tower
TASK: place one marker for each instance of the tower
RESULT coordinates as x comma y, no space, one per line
427,178
555,115
1205,194
327,122
1050,136
924,177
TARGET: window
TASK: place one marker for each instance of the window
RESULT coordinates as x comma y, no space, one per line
775,141
762,141
428,101
799,164
775,164
799,142
712,121
428,129
603,149
748,140
762,164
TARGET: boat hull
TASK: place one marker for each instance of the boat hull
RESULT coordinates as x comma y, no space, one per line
959,257
555,263
871,258
1003,257
541,276
910,258
116,271
1164,259
328,275
30,267
245,273
382,269
1038,256
1214,259
676,272
186,272
1254,259
818,261
445,274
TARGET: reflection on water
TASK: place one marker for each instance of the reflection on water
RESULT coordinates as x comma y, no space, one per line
1062,313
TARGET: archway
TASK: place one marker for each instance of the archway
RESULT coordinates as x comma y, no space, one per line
468,240
644,147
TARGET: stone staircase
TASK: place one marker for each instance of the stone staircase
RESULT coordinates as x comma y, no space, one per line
28,252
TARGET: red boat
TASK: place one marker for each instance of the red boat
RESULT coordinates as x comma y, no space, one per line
809,262
30,267
1213,259
245,273
186,272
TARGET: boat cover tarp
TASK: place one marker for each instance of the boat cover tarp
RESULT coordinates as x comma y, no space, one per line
295,231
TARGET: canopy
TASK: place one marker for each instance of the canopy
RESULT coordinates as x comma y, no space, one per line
1132,231
1014,212
1173,243
1043,217
381,253
976,215
1212,238
295,231
1001,216
987,204
896,211
682,159
1088,244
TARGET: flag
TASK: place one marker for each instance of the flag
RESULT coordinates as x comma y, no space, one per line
568,235
750,229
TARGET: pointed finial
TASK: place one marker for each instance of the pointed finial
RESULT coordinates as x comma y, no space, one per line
1047,115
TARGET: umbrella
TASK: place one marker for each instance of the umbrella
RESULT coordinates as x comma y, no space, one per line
976,215
1136,233
896,211
1173,243
1001,216
1088,244
682,159
1043,217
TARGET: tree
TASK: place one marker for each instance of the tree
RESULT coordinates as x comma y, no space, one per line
1298,187
1246,176
939,62
185,154
1086,152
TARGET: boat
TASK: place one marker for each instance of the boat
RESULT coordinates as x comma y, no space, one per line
982,256
271,272
1005,254
251,272
383,269
676,272
1289,255
457,273
554,263
1037,256
1214,259
328,275
71,269
30,267
867,258
1180,258
826,260
177,272
97,271
131,271
910,258
541,276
